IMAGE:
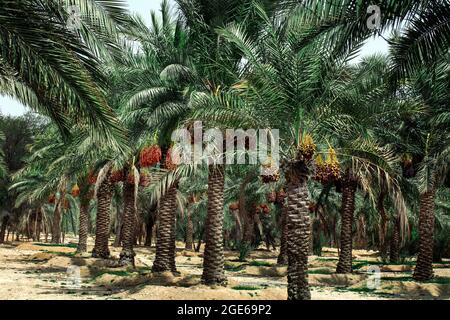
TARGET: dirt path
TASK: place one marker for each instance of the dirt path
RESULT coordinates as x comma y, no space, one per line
40,271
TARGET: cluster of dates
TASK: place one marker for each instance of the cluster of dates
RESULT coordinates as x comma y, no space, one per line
150,156
307,148
329,170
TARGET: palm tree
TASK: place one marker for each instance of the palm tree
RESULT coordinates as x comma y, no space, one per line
366,164
62,79
42,177
155,102
424,28
210,100
104,190
129,216
60,198
165,243
213,259
430,149
83,216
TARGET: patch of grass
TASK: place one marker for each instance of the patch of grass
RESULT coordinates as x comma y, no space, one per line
365,290
143,270
256,263
246,288
397,278
119,273
362,290
439,280
69,245
436,280
232,268
61,254
358,264
327,259
320,271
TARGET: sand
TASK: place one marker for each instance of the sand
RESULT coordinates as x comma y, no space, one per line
41,271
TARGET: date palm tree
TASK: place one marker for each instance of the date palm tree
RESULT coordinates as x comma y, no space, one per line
365,163
104,192
165,243
84,216
130,189
426,140
62,79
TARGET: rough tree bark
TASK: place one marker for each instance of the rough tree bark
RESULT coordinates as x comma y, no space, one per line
3,228
118,239
129,225
213,261
298,231
166,232
189,232
382,232
56,223
38,225
394,254
104,196
282,257
150,223
349,185
83,228
424,265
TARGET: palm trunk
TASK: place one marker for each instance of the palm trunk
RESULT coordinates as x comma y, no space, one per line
165,255
298,232
37,230
395,242
201,237
361,234
104,196
189,232
213,262
129,225
249,227
347,210
424,266
150,223
238,234
382,232
282,257
56,224
3,228
247,217
119,225
83,228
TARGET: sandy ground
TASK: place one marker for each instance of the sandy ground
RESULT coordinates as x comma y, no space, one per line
42,271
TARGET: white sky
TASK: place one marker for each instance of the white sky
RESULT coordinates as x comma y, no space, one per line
12,107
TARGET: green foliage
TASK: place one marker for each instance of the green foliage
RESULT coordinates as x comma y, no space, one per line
69,245
246,288
244,250
441,243
257,263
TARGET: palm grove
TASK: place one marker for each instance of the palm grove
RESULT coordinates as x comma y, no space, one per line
364,147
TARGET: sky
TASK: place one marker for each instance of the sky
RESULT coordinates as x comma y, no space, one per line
12,107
